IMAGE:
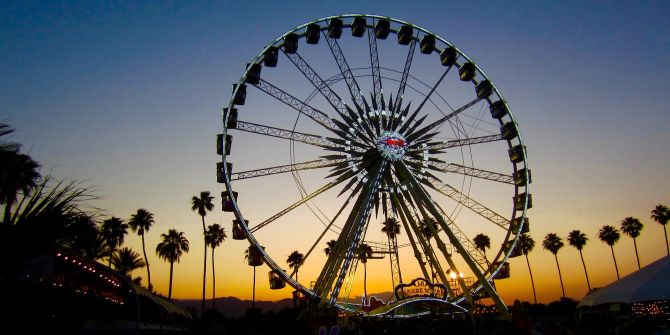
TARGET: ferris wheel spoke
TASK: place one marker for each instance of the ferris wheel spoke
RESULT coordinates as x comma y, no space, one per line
255,128
295,205
325,230
335,101
374,65
408,122
469,171
430,205
352,124
468,202
297,104
405,74
345,71
441,245
478,256
419,135
434,147
315,164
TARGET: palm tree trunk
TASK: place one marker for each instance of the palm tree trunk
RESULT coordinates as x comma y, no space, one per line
636,255
560,278
616,267
111,253
532,282
665,233
170,289
365,284
146,260
213,283
588,283
204,269
253,297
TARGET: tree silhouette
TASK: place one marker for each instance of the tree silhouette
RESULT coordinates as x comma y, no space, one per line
294,261
526,244
610,235
330,245
87,243
126,260
661,214
363,253
43,222
553,243
214,236
391,227
172,246
18,172
427,226
482,242
578,240
202,205
253,295
113,230
140,222
631,227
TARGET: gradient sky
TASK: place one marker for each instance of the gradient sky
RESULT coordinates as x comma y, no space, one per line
127,97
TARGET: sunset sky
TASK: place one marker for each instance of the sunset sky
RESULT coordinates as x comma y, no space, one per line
127,98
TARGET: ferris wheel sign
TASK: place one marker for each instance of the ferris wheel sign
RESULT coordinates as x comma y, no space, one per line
421,287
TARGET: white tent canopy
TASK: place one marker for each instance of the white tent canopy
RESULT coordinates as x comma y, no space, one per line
652,282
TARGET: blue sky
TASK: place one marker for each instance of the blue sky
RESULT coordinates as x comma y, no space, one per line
127,97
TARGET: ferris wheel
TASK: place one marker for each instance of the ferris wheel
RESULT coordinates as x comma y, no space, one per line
384,145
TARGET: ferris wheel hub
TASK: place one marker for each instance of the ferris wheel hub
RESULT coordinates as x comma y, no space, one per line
391,145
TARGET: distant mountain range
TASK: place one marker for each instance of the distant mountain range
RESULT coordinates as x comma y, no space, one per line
234,307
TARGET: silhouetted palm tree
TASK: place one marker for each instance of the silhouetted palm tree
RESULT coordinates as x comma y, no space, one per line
553,243
113,230
125,260
87,243
391,227
330,245
427,226
364,252
661,214
632,227
526,245
140,222
43,222
294,261
18,174
578,240
253,291
610,235
482,242
202,205
214,236
171,248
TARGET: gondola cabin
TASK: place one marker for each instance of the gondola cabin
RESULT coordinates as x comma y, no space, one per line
503,273
238,231
276,281
227,202
254,257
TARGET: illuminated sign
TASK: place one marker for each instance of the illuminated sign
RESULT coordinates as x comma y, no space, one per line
420,287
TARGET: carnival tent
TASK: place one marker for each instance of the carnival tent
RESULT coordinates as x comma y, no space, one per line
650,283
